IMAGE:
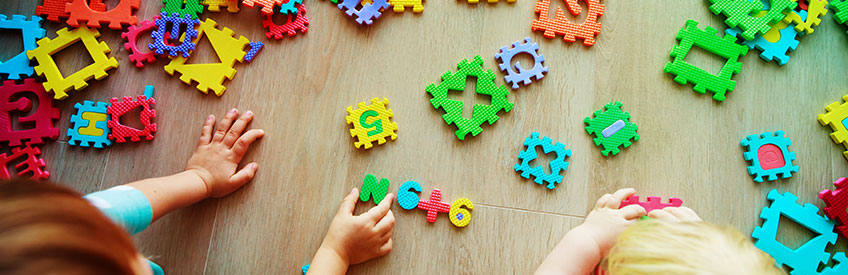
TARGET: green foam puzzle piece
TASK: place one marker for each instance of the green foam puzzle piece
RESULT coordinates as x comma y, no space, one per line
741,13
181,7
622,131
372,189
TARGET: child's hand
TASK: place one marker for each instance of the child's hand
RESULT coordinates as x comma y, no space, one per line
675,214
606,221
357,239
218,154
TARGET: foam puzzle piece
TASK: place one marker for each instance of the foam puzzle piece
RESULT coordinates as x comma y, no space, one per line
294,23
365,15
90,127
460,217
266,5
18,66
816,10
612,128
373,189
42,120
401,5
561,26
837,117
367,130
116,109
836,202
490,1
122,14
557,165
802,5
769,156
406,198
434,206
806,258
304,269
131,36
58,84
211,76
840,10
55,9
739,13
706,39
32,163
840,268
255,47
289,7
518,74
652,204
485,86
775,44
184,7
178,22
215,5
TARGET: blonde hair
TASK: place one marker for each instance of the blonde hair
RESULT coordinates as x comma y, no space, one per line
657,247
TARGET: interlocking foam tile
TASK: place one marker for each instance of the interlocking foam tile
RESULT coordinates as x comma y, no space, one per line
122,14
371,123
518,74
401,5
90,126
460,217
561,26
557,165
42,120
18,66
434,206
177,22
652,204
58,84
295,22
840,10
365,15
769,156
706,39
407,196
837,204
289,7
816,10
55,9
612,128
32,163
485,86
131,35
372,189
775,44
267,5
739,13
806,258
837,117
191,7
215,5
117,109
211,76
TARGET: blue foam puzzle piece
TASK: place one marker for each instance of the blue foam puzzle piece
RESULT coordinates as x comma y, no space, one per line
521,75
557,165
407,199
75,138
304,269
367,14
290,7
18,66
254,50
176,21
777,139
777,51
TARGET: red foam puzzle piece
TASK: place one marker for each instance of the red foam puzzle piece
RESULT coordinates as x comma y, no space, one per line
31,161
295,22
122,14
434,206
837,204
652,204
117,109
42,119
132,35
55,9
569,31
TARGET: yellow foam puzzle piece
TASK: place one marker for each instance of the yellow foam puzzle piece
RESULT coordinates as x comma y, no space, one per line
91,129
400,5
55,82
211,75
371,123
816,9
215,5
456,208
836,116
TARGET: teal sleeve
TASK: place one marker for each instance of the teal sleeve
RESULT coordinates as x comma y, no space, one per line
125,205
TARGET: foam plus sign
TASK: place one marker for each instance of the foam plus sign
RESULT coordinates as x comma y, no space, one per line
434,205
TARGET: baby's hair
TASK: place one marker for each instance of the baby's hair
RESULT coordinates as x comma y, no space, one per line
657,247
46,228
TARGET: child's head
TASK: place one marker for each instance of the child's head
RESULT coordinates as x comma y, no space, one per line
658,247
50,229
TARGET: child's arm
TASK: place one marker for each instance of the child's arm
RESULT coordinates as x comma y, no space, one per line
211,170
355,239
583,247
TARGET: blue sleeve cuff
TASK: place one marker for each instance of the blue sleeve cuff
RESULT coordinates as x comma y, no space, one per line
125,205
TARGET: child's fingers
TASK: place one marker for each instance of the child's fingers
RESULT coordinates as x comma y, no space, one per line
663,215
224,125
619,196
377,212
602,202
238,127
632,211
244,175
386,223
349,202
685,214
206,131
243,143
386,248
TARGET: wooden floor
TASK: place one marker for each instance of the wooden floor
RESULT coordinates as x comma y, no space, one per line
299,88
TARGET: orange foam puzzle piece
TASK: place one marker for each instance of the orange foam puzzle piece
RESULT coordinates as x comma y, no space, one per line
561,26
122,14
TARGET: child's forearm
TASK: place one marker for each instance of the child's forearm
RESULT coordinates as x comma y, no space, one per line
575,254
327,261
173,192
